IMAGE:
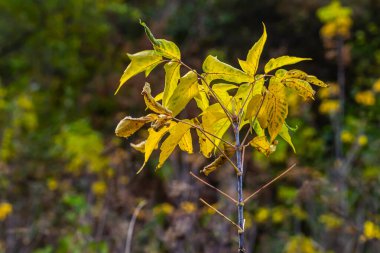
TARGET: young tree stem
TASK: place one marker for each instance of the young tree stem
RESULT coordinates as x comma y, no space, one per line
239,186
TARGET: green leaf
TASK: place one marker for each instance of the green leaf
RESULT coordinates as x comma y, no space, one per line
167,49
129,125
275,63
284,133
141,61
168,146
151,103
251,64
215,69
185,91
153,139
172,76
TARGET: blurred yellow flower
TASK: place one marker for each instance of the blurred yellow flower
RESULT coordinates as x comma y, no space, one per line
262,215
301,244
299,213
278,215
371,230
330,221
52,184
329,106
99,188
346,136
5,210
362,140
164,208
366,98
248,220
332,90
188,207
376,86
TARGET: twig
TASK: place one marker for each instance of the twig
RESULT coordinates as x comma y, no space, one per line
213,187
269,183
221,214
131,226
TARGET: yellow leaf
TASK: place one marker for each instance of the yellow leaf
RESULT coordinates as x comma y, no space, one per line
314,80
276,88
153,139
172,77
284,133
201,98
276,116
262,145
275,63
168,146
139,146
167,49
302,87
295,73
215,69
251,64
159,96
129,125
186,143
254,106
214,121
151,103
140,62
185,91
219,161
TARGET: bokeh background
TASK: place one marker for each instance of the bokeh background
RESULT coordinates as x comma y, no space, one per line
67,184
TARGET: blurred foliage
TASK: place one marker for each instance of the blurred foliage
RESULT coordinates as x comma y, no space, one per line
67,185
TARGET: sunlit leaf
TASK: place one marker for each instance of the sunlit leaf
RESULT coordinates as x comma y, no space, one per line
175,135
261,144
215,69
185,91
302,87
151,103
275,63
153,139
251,64
186,143
167,49
284,133
129,125
201,98
141,61
277,115
139,146
172,76
314,80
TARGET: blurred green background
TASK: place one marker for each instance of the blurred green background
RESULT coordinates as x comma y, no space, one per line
67,184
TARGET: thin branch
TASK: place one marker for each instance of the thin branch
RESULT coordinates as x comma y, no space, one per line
269,183
213,187
206,132
221,214
131,226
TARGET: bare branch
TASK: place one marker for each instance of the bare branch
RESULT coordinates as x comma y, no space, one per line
269,183
213,187
131,226
221,214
